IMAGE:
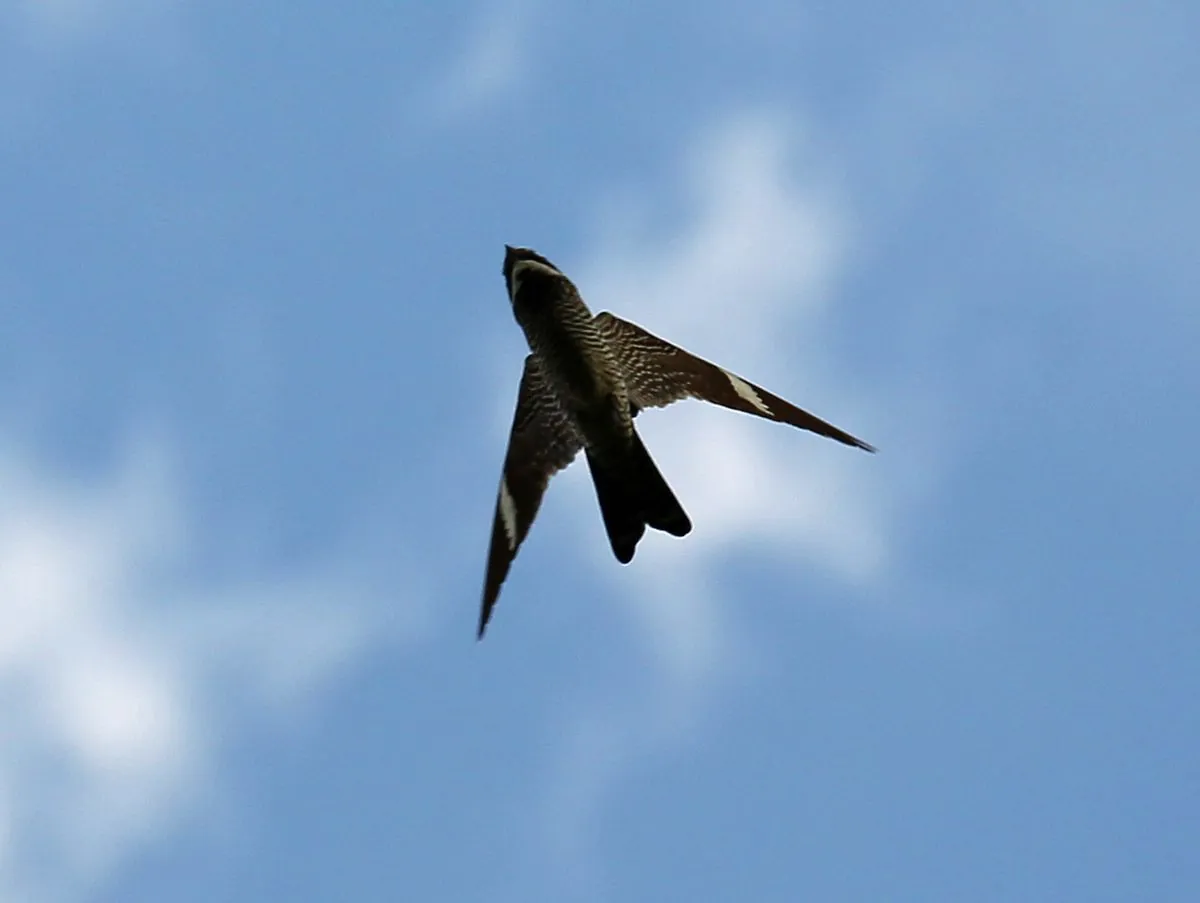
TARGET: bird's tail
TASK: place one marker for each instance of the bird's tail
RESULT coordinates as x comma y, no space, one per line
633,495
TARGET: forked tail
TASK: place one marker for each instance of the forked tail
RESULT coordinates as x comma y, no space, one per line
633,495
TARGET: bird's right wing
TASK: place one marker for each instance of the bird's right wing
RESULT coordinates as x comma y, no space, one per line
543,441
659,373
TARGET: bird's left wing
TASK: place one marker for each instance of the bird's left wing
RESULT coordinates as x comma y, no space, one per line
543,441
659,373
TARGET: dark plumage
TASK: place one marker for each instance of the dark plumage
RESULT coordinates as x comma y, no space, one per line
585,380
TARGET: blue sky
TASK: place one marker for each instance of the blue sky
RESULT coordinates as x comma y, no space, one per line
259,368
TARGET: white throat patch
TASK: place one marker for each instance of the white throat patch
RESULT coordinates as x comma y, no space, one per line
521,268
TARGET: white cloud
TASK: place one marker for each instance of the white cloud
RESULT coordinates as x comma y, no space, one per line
747,281
69,18
121,666
746,278
71,23
490,65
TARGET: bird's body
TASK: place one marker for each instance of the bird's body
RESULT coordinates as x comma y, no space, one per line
585,380
575,359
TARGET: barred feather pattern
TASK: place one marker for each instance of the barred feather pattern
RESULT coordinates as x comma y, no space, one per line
575,357
544,439
658,373
583,383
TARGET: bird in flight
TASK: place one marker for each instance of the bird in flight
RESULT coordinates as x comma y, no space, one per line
585,380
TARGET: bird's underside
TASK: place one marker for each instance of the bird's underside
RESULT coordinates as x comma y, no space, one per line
545,439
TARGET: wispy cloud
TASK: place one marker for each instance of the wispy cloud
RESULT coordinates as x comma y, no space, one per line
72,23
121,664
747,277
747,280
491,63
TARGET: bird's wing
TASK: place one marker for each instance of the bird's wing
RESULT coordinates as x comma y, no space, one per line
543,441
658,373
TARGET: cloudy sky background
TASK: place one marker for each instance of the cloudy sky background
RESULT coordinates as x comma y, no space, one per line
258,370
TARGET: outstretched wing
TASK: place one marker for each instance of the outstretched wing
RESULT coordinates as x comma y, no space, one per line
658,373
543,441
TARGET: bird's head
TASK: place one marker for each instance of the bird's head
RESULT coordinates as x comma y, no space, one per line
521,262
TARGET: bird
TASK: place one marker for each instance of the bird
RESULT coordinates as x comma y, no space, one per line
585,379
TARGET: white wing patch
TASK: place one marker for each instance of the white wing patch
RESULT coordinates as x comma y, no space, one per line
746,391
508,514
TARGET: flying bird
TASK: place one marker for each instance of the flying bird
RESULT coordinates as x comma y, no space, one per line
585,380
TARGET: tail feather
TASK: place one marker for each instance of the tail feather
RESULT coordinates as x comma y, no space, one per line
633,495
618,507
660,509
